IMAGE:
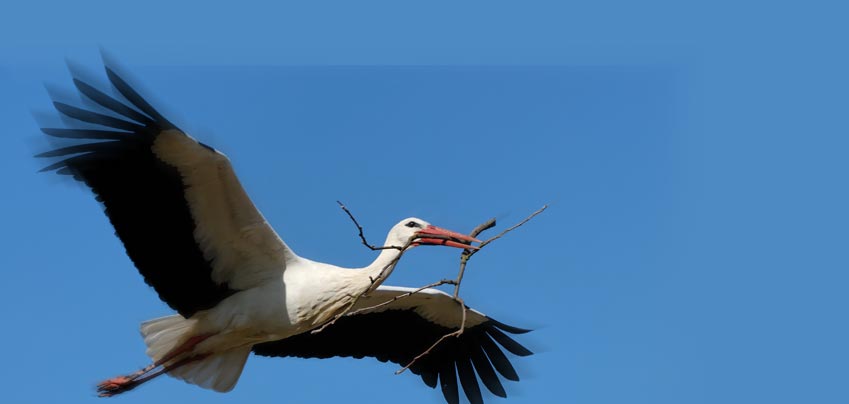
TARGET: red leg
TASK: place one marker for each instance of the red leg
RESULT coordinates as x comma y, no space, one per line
121,384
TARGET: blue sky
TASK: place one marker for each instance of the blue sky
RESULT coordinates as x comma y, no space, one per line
694,159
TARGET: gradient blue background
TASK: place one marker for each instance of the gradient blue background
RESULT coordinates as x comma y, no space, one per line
694,158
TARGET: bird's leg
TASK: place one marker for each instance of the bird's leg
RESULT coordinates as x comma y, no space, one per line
120,384
123,384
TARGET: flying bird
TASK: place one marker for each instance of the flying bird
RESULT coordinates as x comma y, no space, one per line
197,239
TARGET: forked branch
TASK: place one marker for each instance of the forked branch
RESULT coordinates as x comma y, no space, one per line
464,259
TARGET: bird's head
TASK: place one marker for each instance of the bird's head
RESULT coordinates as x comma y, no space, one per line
424,233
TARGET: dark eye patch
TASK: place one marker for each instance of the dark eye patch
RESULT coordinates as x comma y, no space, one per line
412,224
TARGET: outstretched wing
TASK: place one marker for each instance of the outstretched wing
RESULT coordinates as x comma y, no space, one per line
406,327
175,203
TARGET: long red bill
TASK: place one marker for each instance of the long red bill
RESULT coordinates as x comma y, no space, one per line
432,235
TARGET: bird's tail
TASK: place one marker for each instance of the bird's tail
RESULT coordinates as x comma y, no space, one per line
163,335
218,371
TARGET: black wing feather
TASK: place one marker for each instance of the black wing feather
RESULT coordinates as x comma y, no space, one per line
429,377
508,343
467,377
448,381
133,96
111,103
498,359
142,195
91,134
486,372
96,118
102,147
398,336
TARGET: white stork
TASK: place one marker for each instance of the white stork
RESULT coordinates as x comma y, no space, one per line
198,240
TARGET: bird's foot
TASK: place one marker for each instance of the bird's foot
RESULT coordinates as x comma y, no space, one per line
120,384
116,385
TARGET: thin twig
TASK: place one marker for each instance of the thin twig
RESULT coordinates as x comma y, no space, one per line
467,253
375,281
403,295
456,333
464,259
381,276
336,317
360,228
482,227
514,227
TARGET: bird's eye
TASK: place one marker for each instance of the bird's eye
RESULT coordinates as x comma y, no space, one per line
412,224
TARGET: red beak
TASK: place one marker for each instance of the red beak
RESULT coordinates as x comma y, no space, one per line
432,235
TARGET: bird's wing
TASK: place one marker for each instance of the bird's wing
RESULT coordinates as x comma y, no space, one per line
406,327
175,203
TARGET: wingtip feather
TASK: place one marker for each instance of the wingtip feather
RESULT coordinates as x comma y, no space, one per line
509,328
509,343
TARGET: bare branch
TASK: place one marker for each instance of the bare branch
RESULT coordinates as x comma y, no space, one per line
514,227
403,295
483,226
336,317
374,283
464,259
382,275
456,333
467,253
360,228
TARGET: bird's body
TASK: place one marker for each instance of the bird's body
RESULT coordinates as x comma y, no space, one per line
198,240
304,295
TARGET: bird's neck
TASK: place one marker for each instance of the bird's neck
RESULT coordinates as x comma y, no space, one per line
383,265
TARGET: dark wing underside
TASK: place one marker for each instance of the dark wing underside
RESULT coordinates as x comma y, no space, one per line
110,151
399,336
